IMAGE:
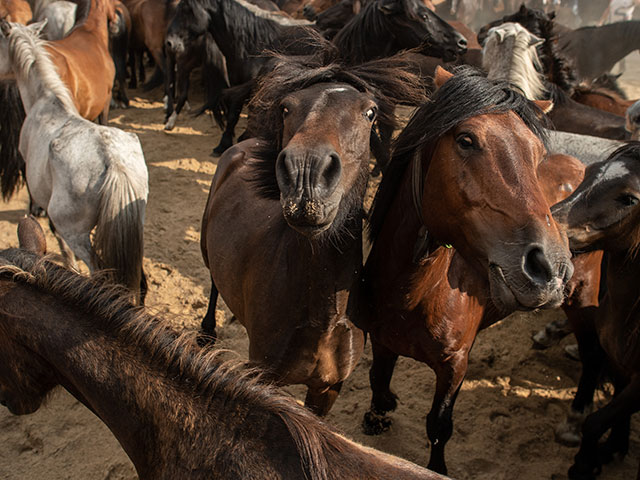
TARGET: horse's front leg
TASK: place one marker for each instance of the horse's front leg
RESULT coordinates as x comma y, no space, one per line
449,378
615,414
208,334
592,358
383,400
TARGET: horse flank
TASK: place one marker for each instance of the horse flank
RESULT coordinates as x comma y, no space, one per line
27,52
176,355
522,66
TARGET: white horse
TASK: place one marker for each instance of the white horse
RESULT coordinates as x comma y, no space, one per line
509,54
84,175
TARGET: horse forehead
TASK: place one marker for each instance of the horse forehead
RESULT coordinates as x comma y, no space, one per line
322,96
614,170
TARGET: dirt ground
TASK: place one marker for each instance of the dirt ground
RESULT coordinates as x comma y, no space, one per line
504,418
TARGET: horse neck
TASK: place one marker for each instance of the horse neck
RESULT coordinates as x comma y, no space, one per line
621,38
620,320
240,40
95,23
153,418
359,40
42,81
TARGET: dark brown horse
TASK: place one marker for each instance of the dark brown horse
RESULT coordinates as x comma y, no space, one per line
603,213
281,232
179,412
462,236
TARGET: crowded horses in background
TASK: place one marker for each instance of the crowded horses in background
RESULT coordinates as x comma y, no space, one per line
410,176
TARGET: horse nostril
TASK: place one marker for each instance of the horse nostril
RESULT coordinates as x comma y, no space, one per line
332,171
462,43
536,266
169,44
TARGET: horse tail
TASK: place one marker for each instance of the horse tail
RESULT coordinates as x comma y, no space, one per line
12,166
118,240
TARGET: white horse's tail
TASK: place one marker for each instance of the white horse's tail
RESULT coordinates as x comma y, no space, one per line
118,239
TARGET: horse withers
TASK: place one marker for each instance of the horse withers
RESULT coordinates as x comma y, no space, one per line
603,213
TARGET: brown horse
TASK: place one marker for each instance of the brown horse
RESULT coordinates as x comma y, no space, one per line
17,11
602,99
150,19
83,61
603,213
462,236
179,412
281,232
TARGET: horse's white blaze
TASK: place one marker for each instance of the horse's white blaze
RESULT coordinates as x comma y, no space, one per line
613,170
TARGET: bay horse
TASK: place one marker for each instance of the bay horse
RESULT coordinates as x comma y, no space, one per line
462,236
243,31
289,267
179,411
603,213
84,175
510,54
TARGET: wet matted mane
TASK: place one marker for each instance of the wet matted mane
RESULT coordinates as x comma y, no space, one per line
201,370
467,94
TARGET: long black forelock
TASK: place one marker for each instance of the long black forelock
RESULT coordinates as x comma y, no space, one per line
467,94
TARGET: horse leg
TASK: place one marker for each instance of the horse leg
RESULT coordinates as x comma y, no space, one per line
321,403
144,286
587,462
383,400
234,111
103,118
592,358
208,334
449,378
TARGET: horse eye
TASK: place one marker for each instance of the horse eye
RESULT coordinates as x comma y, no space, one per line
285,110
465,141
628,200
370,114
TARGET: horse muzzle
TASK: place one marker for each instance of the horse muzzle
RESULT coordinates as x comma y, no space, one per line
536,280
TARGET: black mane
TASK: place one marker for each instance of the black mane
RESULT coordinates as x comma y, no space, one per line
467,94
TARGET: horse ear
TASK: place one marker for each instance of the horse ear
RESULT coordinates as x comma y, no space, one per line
5,27
534,41
523,9
357,6
545,105
552,15
387,8
37,27
441,76
30,236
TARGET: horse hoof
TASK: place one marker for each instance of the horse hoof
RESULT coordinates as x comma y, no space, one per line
580,473
171,121
375,424
566,434
37,212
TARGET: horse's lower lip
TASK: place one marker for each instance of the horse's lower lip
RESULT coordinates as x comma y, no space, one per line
310,230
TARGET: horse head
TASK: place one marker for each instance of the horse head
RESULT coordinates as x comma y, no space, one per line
410,23
325,139
482,172
536,21
189,22
603,211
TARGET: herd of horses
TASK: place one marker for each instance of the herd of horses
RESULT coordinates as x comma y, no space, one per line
480,212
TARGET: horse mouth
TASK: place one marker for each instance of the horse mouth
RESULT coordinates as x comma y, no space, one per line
310,218
509,299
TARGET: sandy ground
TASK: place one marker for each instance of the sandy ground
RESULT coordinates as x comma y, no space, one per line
504,417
